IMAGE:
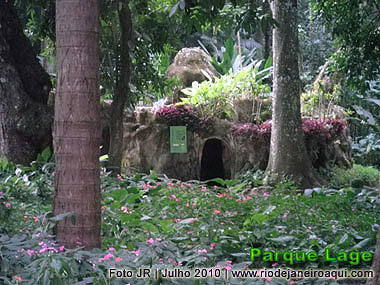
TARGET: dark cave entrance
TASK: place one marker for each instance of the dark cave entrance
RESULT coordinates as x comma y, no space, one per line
212,160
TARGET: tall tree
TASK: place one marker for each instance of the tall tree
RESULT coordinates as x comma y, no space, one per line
122,88
288,156
77,123
25,118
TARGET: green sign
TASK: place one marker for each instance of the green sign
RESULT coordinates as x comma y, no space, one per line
178,139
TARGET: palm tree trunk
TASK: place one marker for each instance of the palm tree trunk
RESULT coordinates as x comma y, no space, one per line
77,123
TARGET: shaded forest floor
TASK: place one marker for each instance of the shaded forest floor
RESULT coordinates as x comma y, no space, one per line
156,222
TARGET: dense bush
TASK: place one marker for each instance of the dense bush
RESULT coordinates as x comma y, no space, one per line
357,176
366,150
184,116
215,98
253,131
313,129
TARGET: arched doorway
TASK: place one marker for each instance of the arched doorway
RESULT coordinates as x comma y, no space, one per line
212,160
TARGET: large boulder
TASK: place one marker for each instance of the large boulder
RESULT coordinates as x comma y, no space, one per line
191,64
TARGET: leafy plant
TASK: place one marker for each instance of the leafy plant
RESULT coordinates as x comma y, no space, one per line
183,116
346,177
230,58
155,222
216,98
320,104
366,150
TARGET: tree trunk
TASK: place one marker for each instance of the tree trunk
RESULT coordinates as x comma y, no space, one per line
267,32
25,118
122,89
77,123
288,156
376,264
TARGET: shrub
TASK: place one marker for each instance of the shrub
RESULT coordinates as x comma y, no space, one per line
216,98
366,150
351,177
325,129
253,131
183,116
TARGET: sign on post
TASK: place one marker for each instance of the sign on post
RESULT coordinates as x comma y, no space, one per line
178,139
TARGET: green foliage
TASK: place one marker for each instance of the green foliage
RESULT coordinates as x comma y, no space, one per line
358,55
368,176
155,222
229,58
365,106
216,98
366,150
320,104
316,43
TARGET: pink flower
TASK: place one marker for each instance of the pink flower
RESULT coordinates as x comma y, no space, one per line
19,279
202,250
108,256
266,194
285,215
137,252
310,228
151,241
216,211
268,279
229,261
228,267
194,204
7,204
30,251
61,248
111,249
118,259
333,226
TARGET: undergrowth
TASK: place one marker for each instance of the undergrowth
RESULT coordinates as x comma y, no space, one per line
156,222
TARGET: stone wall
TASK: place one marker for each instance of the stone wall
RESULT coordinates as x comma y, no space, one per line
147,147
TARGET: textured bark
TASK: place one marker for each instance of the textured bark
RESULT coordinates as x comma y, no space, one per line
376,264
267,32
288,156
77,123
25,119
122,89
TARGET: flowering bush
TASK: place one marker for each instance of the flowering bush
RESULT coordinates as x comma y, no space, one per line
183,115
253,131
328,129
